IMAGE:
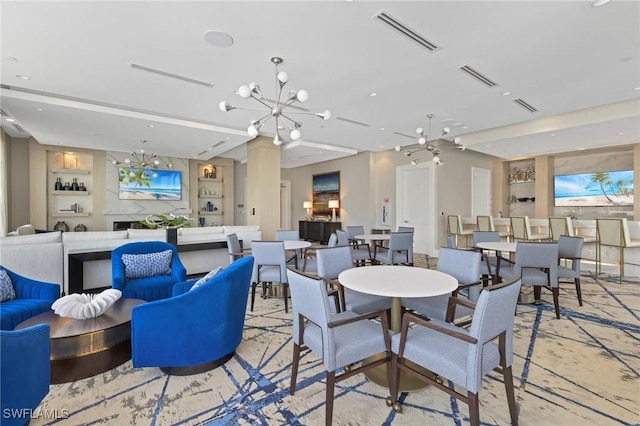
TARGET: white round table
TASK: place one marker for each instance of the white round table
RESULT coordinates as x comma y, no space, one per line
498,246
373,237
296,245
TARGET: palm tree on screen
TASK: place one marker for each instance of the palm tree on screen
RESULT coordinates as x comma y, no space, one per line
603,179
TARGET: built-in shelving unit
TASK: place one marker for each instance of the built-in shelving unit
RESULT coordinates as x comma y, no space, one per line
522,188
69,167
210,195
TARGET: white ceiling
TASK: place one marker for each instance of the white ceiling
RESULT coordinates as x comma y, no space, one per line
578,65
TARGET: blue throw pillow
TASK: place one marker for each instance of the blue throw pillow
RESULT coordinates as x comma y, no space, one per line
147,265
206,278
7,292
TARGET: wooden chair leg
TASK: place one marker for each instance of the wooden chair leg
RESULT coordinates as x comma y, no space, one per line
331,382
253,294
285,291
556,303
579,291
294,368
536,292
474,413
511,398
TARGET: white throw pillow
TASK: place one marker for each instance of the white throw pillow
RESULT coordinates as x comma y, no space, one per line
7,292
147,264
206,278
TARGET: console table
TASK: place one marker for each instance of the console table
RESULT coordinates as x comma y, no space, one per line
317,231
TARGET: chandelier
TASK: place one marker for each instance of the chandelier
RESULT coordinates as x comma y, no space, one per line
275,108
426,144
141,160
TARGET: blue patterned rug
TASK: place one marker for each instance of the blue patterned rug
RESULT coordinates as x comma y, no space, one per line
581,369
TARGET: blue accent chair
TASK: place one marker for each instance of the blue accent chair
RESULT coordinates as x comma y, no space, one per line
147,288
24,372
32,298
193,331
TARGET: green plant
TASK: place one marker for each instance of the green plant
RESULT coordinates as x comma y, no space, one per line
166,221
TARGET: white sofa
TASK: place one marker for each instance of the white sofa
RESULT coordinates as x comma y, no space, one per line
46,256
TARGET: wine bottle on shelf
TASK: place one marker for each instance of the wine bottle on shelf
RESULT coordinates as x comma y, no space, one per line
81,187
58,185
74,185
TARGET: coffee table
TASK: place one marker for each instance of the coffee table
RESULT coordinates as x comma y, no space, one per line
84,348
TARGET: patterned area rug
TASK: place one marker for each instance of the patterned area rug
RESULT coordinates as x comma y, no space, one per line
581,369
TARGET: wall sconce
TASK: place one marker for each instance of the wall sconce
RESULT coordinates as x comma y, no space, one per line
308,205
334,204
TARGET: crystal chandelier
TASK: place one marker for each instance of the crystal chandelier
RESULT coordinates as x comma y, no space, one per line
275,108
141,160
432,146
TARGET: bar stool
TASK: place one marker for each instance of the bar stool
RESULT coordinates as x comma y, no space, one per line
521,230
454,227
613,232
485,223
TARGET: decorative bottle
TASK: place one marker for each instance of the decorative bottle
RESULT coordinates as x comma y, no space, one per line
81,187
74,185
58,185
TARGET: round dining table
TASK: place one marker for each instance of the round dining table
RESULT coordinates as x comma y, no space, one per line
296,245
396,282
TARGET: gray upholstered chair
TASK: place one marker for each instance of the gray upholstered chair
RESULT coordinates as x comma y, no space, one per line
399,250
488,265
463,265
570,250
288,235
537,265
332,261
310,263
235,249
340,339
269,266
352,231
450,241
360,253
463,356
411,230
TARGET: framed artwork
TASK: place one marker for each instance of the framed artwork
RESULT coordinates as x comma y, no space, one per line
149,184
325,187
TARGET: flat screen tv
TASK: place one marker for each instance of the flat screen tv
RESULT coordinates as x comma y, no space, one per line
149,184
594,189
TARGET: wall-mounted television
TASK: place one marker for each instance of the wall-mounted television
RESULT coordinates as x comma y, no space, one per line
596,189
149,184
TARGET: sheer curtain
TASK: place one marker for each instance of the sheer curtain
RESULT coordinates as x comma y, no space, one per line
4,187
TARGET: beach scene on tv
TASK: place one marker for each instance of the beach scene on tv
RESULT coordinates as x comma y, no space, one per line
594,189
147,184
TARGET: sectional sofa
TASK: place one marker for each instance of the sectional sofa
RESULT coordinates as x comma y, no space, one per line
45,256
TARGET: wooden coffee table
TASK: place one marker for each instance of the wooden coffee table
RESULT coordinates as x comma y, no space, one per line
84,348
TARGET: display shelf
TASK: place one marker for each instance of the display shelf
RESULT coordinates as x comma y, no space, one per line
211,213
210,179
71,171
63,192
65,214
217,197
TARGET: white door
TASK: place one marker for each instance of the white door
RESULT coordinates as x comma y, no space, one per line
416,192
285,204
480,192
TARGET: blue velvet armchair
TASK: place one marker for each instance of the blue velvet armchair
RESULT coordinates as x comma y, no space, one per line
24,372
149,288
32,298
195,330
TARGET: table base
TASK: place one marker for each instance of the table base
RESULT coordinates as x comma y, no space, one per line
526,299
408,382
71,369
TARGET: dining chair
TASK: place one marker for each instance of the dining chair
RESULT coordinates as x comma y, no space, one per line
521,230
613,232
269,266
310,263
352,231
463,356
411,230
332,261
537,265
455,228
560,226
360,253
339,339
234,248
486,223
570,249
288,235
464,266
399,252
489,263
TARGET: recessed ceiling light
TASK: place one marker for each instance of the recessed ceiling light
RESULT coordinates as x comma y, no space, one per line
39,109
553,134
598,3
228,138
488,145
373,94
151,126
580,148
12,58
636,88
381,146
24,77
525,147
465,127
381,128
218,38
10,120
506,93
620,134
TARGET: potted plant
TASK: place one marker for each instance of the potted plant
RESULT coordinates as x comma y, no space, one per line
170,222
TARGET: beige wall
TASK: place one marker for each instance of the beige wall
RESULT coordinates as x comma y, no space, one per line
18,181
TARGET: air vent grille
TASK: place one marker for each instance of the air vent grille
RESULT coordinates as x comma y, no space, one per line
411,34
3,113
403,134
218,144
359,123
526,105
477,75
18,128
171,75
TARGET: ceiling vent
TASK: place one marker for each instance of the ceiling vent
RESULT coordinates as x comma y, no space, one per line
403,134
3,113
411,34
170,75
359,123
218,144
478,76
18,128
524,104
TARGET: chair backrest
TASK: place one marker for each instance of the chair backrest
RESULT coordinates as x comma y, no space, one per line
401,244
269,253
613,231
571,248
287,235
332,261
450,241
485,223
484,237
354,230
233,246
405,229
560,226
343,238
333,240
454,224
494,315
538,255
519,228
463,265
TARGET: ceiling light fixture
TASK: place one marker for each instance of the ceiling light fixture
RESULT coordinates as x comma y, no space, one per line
598,3
432,146
275,109
141,160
